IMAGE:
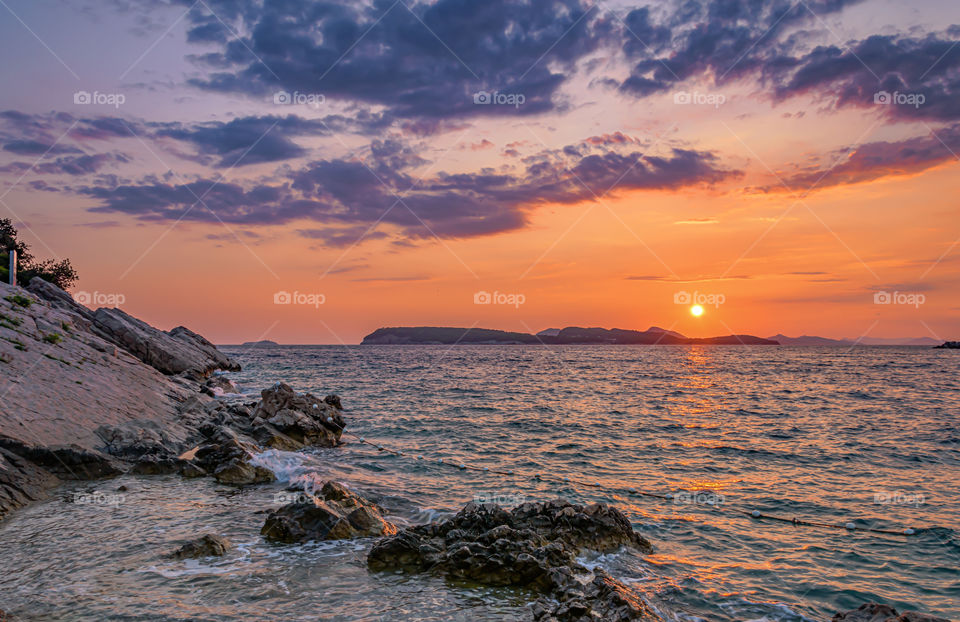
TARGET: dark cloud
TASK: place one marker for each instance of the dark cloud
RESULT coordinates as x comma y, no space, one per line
35,147
420,60
347,196
903,77
66,165
875,160
245,140
724,38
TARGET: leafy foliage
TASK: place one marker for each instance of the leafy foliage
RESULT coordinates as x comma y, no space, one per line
60,273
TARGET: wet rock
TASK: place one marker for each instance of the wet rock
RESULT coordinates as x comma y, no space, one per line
600,598
210,545
239,472
21,482
533,546
336,514
875,612
302,417
67,461
217,386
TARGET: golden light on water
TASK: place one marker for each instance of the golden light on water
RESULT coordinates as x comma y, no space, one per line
696,310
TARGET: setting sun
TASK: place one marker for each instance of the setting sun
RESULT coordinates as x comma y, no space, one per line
696,310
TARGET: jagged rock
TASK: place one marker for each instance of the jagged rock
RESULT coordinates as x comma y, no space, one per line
875,612
337,514
302,417
217,386
210,545
271,437
239,472
600,598
174,352
532,546
67,462
21,482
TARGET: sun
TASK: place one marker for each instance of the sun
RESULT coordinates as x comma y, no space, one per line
696,310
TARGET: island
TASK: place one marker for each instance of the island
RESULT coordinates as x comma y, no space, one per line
571,335
259,344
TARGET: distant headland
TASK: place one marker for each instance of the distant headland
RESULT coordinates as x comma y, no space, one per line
571,335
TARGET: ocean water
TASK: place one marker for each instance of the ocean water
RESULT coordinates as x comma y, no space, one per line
867,435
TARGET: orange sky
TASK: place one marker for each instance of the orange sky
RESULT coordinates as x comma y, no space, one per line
801,261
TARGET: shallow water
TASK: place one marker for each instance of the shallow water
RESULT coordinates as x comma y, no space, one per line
867,435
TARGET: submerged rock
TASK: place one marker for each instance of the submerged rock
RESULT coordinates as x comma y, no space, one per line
534,546
209,545
875,612
336,514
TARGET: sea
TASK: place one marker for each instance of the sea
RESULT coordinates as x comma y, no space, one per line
854,439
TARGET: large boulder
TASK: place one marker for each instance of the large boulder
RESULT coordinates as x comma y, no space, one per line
335,514
175,352
302,417
533,546
875,612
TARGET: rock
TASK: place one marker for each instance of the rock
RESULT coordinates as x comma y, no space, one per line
875,612
601,598
337,514
301,416
210,545
67,462
948,345
217,386
239,472
21,482
533,546
174,352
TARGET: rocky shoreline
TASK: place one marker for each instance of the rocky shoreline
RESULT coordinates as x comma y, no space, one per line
96,394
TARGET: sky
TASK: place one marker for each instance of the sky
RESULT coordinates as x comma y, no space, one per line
308,171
